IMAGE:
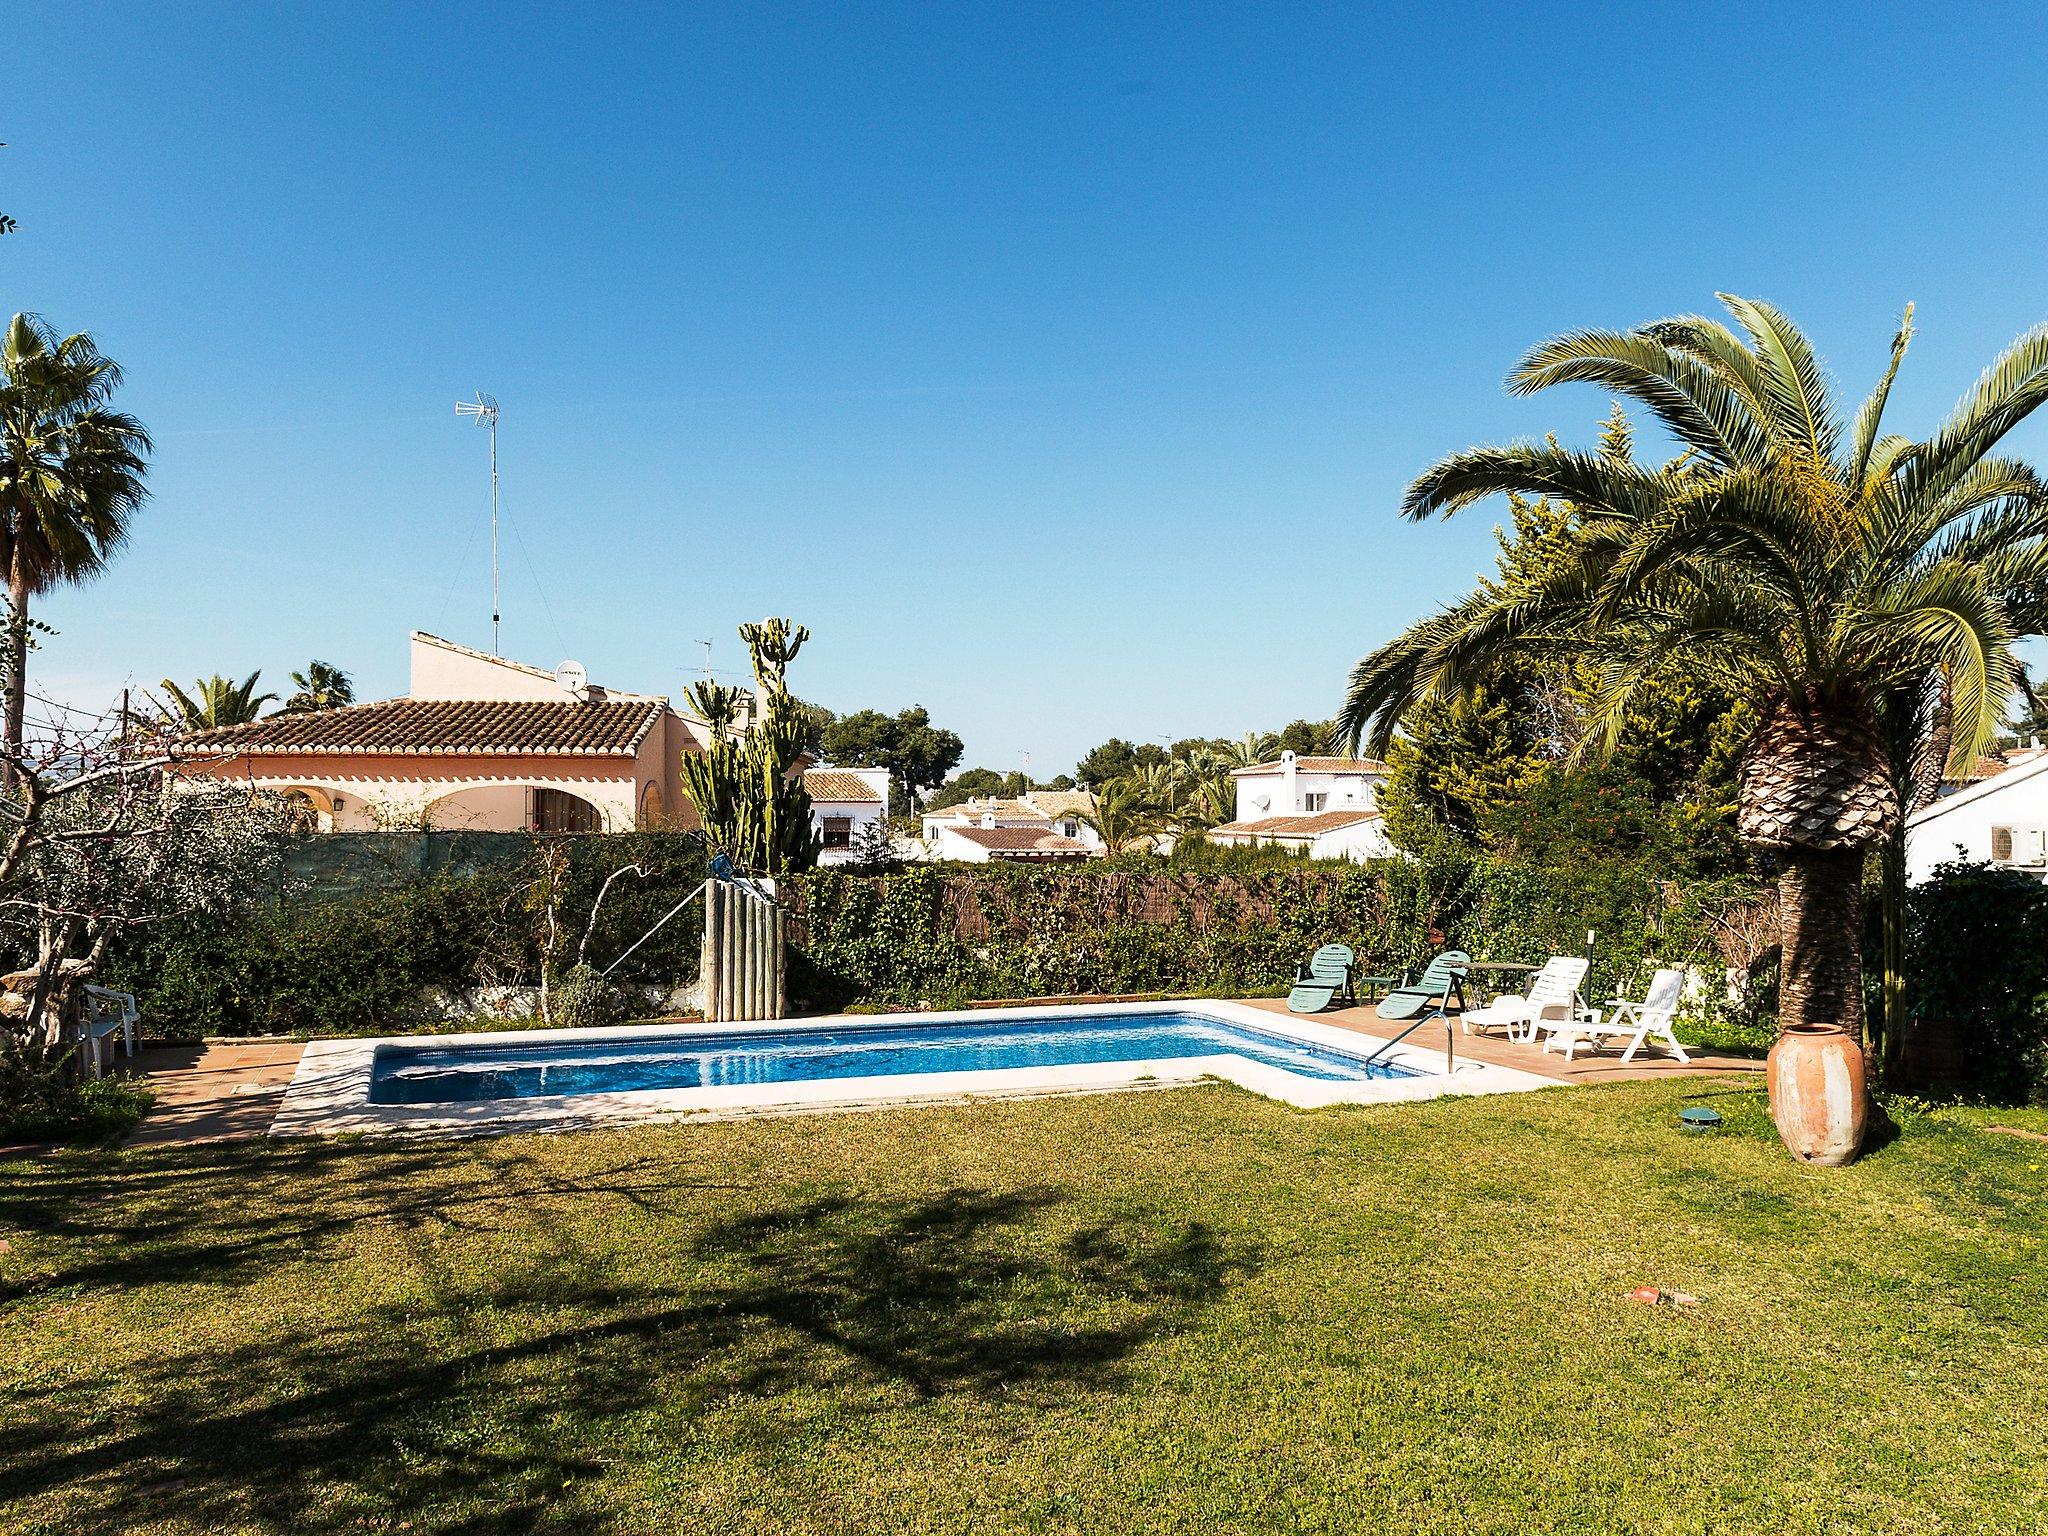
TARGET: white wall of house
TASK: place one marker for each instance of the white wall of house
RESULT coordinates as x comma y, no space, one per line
1361,841
346,802
2015,801
944,844
1366,840
855,813
1290,790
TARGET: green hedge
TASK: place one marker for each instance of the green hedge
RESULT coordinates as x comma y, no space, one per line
361,943
944,936
1977,978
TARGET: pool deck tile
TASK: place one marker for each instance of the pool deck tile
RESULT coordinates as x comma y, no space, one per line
1602,1066
222,1090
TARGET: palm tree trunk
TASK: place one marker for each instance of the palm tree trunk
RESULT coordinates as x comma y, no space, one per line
17,666
1889,1038
1820,979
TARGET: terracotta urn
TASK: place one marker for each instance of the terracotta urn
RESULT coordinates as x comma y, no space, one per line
1818,1099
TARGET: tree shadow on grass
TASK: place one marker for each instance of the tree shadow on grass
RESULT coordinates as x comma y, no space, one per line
486,1405
220,1213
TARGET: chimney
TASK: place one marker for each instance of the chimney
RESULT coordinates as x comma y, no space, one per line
1290,783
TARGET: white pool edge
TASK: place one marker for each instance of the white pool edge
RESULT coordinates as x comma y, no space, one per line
329,1094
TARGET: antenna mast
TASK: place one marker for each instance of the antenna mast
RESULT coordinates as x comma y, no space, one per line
484,409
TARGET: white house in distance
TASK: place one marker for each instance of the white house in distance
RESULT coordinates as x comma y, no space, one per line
1037,826
1325,806
844,800
2000,817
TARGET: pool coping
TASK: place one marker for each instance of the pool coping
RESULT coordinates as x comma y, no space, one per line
329,1094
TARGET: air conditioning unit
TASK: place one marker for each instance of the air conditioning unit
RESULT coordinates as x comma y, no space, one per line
2022,847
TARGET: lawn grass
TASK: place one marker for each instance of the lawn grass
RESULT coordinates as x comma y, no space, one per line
1189,1311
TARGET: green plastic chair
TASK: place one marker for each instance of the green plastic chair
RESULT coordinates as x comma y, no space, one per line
1324,980
1432,991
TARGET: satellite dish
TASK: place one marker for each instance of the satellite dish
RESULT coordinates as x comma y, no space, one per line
571,678
1263,802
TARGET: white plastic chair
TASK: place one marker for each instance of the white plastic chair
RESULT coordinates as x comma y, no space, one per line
1648,1020
1554,990
108,1012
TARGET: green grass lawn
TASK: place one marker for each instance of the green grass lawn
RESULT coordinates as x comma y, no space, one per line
1195,1311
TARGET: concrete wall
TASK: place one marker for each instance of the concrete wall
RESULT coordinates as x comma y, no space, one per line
2017,798
444,671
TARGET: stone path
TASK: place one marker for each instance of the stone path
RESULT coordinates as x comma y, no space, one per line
219,1091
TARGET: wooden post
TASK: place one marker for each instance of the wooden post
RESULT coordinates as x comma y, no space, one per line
710,955
743,967
781,958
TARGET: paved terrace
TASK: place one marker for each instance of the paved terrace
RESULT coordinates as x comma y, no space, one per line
230,1089
1602,1066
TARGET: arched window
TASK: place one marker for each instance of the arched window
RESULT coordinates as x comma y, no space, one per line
651,810
556,810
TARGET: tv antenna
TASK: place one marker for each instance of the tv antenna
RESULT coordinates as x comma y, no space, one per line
707,659
484,411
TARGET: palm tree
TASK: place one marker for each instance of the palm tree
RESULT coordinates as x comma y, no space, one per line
1159,787
321,686
70,479
1121,817
215,702
1815,568
1252,749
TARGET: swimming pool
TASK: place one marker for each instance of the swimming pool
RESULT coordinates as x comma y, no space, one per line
557,1079
987,1043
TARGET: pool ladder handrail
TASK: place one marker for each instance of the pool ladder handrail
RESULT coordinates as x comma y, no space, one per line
1450,1034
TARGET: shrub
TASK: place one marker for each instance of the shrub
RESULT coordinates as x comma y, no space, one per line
583,998
1977,960
42,1102
394,920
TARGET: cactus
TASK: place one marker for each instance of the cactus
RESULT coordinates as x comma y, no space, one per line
749,791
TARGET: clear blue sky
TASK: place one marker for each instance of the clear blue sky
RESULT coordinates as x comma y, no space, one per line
1059,366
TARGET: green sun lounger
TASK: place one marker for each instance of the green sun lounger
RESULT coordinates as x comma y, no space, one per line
1324,980
1431,992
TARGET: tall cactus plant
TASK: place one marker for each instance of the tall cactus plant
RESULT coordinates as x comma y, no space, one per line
749,790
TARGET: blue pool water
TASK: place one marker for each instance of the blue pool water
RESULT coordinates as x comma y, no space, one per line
422,1075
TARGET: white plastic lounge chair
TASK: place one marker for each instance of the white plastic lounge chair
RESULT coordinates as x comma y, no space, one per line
1648,1020
1552,993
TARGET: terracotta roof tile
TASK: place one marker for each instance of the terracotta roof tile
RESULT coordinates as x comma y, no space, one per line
837,784
443,727
1318,765
1019,840
1297,826
1058,803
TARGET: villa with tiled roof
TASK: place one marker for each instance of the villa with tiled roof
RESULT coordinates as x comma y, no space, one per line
478,743
1328,807
1050,816
843,801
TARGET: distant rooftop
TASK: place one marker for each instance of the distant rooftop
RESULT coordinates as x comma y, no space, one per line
1318,765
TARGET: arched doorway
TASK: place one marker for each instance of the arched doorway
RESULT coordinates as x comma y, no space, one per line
513,808
652,813
558,811
315,807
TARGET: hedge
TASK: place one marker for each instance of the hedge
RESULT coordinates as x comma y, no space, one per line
366,931
933,936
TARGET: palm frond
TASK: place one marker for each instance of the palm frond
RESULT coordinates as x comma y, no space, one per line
1595,485
1699,408
1800,403
1870,415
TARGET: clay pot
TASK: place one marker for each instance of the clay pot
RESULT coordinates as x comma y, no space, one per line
1818,1099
